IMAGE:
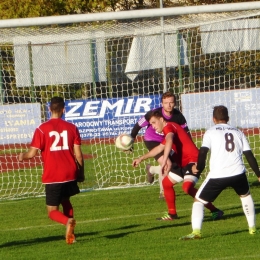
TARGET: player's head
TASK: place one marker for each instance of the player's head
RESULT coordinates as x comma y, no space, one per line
168,101
156,120
57,105
220,114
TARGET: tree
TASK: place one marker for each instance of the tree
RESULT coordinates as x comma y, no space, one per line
10,9
38,8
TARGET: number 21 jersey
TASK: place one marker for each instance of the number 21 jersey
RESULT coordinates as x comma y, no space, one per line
56,139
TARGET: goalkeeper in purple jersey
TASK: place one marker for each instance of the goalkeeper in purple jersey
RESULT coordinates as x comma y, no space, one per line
153,139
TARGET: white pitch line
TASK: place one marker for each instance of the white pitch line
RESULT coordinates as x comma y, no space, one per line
82,222
100,220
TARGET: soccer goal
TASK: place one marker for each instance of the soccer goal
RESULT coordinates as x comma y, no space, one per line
112,68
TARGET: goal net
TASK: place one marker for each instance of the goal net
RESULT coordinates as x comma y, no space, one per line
110,74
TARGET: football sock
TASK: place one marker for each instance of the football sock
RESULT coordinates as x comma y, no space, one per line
169,194
155,169
249,209
57,216
160,182
197,215
67,208
188,188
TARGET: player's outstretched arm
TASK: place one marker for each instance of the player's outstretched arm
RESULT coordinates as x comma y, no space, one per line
135,130
28,155
150,154
252,162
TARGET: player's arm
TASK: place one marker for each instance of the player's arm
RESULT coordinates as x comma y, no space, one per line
135,130
28,155
150,154
167,148
80,163
202,158
142,122
252,162
184,125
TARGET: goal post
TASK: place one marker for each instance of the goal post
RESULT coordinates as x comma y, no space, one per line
112,70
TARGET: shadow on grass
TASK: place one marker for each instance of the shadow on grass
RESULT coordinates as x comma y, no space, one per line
254,184
38,240
119,235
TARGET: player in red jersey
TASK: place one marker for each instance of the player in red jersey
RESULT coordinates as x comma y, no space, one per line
179,146
60,145
152,139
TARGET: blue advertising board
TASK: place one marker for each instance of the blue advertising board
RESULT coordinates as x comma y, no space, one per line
18,122
109,117
243,106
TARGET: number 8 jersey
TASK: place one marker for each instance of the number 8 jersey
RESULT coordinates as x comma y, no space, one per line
56,139
226,144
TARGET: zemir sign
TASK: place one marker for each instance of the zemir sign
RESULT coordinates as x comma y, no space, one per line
108,117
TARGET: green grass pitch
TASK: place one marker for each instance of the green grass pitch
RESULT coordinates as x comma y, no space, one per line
120,224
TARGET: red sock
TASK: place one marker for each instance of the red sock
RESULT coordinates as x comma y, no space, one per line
211,207
169,194
188,188
57,216
67,208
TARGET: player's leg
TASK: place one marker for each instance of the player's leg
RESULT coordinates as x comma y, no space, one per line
53,200
208,191
240,185
174,176
69,189
152,170
67,208
55,195
188,187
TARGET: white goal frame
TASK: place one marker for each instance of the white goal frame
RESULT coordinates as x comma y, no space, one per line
100,64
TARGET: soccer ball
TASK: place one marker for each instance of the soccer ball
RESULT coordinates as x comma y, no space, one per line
124,142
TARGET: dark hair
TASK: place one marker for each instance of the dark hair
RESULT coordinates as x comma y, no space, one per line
57,104
168,94
155,113
220,113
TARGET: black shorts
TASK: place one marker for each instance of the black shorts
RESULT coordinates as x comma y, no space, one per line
184,171
56,192
211,188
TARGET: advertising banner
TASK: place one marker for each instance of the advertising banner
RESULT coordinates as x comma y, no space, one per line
109,117
243,106
18,122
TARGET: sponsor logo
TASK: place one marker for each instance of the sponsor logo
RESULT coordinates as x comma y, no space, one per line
101,108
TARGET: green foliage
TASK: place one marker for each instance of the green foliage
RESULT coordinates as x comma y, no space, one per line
37,8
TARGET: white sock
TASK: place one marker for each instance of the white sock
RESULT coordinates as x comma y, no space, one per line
249,209
197,215
160,182
155,169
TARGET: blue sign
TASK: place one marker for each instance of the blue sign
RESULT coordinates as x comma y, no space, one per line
110,117
18,122
243,106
